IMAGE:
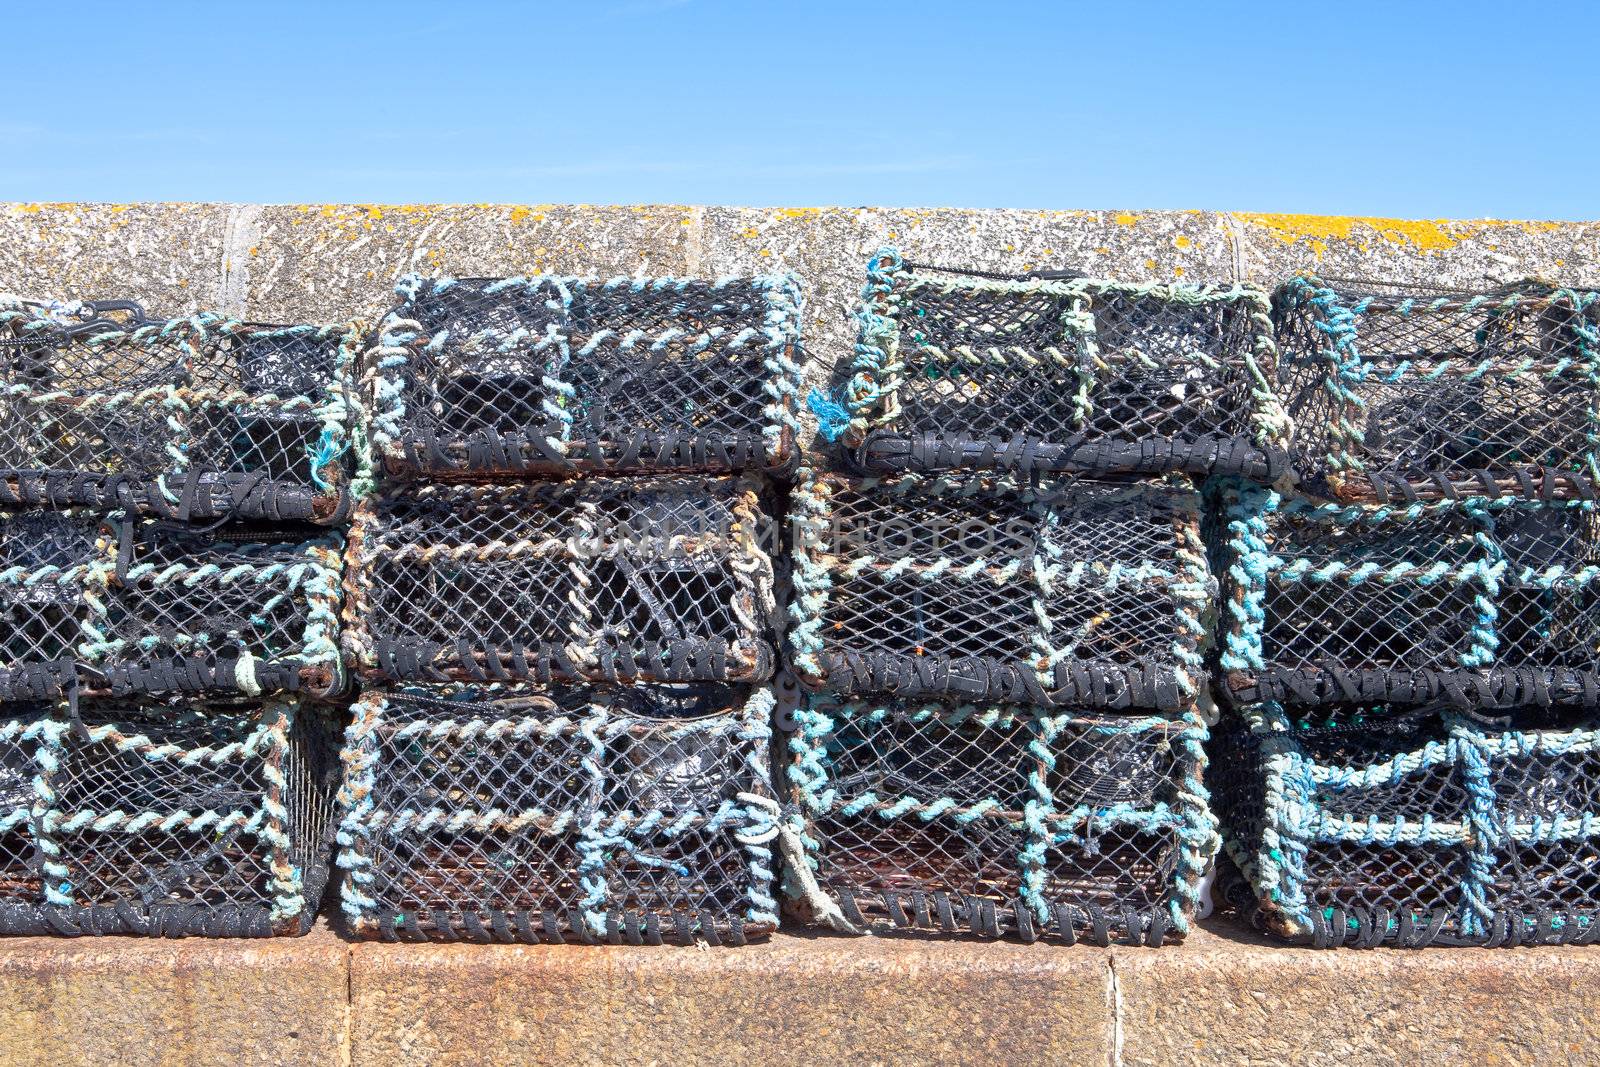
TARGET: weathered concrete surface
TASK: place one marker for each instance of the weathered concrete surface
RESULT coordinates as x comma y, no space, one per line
795,1000
1223,998
330,262
1436,252
133,1001
169,256
1235,1000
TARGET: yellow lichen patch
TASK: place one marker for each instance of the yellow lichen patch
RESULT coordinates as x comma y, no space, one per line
750,233
1181,241
1149,264
799,212
1178,271
523,214
1425,235
1127,218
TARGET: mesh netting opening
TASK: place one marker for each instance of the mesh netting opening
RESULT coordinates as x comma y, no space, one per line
1382,825
546,375
1489,604
956,370
625,815
996,820
1406,391
1066,592
651,579
44,567
174,819
192,418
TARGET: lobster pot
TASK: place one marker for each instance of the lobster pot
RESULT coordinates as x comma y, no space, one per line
996,820
1489,604
553,375
1063,593
1413,826
1092,376
624,815
124,605
194,418
161,819
650,579
1407,392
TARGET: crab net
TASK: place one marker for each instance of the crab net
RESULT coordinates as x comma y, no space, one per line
1066,592
122,605
552,375
959,368
165,819
1489,604
631,815
193,418
1411,391
652,579
996,820
1364,825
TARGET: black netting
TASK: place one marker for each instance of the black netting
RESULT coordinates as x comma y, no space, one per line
255,607
1356,824
1071,592
627,815
45,558
1483,606
1404,391
169,819
1092,376
189,418
996,821
651,579
150,605
552,375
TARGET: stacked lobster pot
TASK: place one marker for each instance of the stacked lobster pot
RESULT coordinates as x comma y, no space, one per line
170,567
1411,635
1002,603
561,606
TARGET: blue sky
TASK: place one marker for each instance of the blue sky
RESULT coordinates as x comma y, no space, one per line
1424,109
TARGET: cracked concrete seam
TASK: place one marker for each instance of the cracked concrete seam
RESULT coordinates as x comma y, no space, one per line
241,234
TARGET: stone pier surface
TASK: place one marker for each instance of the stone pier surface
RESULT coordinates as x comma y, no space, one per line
1225,997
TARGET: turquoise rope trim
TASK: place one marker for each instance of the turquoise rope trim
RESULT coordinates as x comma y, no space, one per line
1048,820
54,747
195,337
1310,804
602,835
1252,562
872,393
402,343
